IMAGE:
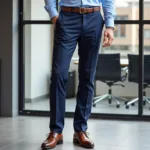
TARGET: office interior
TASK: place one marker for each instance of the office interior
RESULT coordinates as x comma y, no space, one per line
37,55
31,59
26,42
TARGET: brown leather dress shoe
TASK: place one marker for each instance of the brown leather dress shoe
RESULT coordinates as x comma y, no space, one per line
82,139
52,140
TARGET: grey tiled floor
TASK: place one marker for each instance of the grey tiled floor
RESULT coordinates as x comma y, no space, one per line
27,133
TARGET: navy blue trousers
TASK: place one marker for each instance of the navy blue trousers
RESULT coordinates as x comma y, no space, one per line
72,29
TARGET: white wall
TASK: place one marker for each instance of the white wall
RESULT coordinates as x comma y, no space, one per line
40,59
37,50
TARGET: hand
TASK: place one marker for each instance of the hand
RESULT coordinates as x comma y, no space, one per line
54,20
108,37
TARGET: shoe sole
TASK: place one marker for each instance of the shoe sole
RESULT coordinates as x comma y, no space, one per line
46,148
76,141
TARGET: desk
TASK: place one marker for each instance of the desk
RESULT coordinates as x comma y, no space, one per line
123,62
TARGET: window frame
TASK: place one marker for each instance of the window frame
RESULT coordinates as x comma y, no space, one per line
141,22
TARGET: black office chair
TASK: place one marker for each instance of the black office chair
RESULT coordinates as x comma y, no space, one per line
109,71
133,76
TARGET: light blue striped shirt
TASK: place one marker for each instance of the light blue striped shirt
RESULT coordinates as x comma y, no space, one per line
107,5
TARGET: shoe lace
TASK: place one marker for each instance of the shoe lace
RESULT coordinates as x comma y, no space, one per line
51,134
86,133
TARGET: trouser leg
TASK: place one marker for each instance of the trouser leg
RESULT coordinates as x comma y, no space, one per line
66,35
88,53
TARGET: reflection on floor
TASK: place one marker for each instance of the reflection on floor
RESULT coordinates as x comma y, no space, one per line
101,107
22,133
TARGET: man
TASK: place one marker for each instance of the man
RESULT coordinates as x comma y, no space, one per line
79,22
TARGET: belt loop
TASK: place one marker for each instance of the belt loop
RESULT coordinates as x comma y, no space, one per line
93,9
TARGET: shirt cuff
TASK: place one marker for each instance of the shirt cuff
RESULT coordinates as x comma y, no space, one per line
52,11
109,22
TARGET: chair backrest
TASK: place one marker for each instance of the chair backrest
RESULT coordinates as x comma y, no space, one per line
108,67
133,68
147,68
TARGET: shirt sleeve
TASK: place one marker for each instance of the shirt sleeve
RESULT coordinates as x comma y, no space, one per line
109,12
50,7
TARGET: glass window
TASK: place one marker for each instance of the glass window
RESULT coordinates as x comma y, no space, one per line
146,90
37,74
37,48
130,45
34,10
118,47
146,48
130,91
127,9
120,31
146,9
147,33
123,17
